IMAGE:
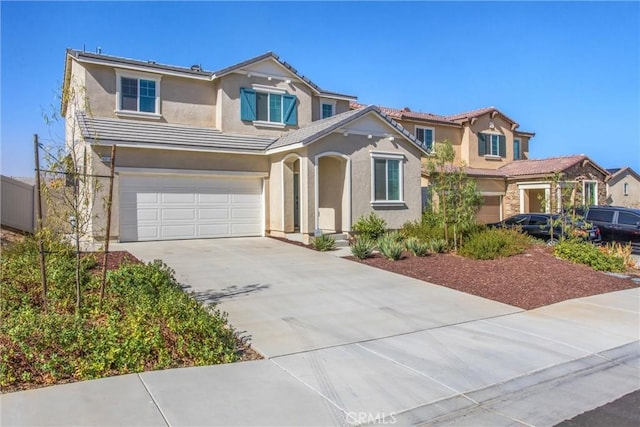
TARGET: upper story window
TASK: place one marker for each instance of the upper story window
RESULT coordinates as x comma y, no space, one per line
386,178
327,110
625,188
137,94
492,145
268,107
426,136
516,149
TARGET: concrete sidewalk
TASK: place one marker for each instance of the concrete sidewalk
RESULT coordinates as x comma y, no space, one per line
411,353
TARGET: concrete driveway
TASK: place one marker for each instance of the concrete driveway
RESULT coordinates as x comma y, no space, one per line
350,344
290,299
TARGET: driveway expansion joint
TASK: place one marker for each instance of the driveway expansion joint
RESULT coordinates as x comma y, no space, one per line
153,399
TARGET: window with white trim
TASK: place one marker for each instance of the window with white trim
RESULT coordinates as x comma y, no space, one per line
327,110
137,94
426,136
590,193
387,176
492,145
625,188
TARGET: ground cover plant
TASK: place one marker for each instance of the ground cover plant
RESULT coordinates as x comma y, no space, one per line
146,321
588,254
324,243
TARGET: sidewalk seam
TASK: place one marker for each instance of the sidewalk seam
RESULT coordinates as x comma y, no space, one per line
153,399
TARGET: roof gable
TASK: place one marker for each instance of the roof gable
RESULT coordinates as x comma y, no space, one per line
344,122
619,173
547,166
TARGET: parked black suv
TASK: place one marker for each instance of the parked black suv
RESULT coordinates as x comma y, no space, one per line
538,225
616,224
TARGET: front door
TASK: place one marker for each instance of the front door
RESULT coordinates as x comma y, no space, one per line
296,201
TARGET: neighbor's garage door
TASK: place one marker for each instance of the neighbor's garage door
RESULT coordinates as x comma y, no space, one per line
154,207
490,210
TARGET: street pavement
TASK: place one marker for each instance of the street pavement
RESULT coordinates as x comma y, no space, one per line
348,344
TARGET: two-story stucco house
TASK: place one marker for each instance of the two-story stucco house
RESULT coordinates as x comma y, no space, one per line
495,152
252,149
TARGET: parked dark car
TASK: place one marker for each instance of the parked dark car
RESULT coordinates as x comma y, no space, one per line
616,224
538,225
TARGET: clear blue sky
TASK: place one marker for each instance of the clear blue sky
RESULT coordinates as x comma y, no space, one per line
568,71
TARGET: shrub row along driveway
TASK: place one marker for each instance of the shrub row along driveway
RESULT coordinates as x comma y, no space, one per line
347,343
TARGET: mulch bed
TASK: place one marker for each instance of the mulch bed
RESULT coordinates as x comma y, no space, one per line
114,260
530,280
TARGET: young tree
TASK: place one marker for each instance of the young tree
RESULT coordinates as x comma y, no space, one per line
458,199
69,188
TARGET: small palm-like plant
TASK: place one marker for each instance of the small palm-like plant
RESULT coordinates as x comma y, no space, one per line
438,245
324,243
362,248
390,247
417,247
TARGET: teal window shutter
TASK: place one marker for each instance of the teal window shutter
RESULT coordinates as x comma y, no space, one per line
290,109
482,144
247,104
502,141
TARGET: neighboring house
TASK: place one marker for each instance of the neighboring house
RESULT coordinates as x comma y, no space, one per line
496,154
623,189
484,140
249,150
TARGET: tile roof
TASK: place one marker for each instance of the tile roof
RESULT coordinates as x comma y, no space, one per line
315,130
541,166
197,70
618,172
407,114
285,64
159,135
108,59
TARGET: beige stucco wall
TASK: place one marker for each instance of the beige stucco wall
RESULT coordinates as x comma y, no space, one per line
359,149
229,103
182,100
615,191
491,185
469,142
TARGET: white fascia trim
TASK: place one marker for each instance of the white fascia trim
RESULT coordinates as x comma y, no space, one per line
268,89
534,185
151,146
337,97
285,148
362,133
387,155
189,172
143,69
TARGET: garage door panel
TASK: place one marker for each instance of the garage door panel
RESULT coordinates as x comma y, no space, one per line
147,215
173,207
178,214
215,230
213,198
175,231
213,214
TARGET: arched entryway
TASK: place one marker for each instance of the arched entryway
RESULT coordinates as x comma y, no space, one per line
333,193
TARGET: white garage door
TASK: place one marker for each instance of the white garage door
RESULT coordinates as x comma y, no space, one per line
154,207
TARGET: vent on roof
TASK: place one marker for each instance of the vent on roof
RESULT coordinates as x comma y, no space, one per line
196,67
406,109
151,62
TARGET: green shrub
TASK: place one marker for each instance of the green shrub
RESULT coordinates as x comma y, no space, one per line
324,243
390,248
429,227
495,243
437,246
417,247
588,254
362,248
146,322
371,227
